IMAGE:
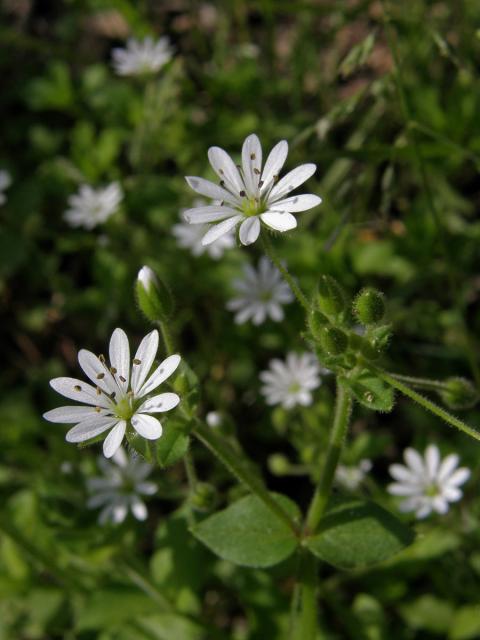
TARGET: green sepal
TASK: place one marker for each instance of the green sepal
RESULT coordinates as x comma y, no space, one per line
358,533
370,391
248,533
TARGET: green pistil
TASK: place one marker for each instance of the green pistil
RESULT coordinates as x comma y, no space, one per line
253,207
124,408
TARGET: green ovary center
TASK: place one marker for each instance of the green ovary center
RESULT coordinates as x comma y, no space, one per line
294,387
431,490
253,207
124,408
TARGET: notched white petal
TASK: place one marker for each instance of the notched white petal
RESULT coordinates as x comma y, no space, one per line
147,426
161,373
220,229
114,439
90,428
160,403
279,221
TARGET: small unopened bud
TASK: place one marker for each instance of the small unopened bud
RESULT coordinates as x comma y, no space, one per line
369,306
316,322
330,296
278,464
459,393
204,497
332,340
153,297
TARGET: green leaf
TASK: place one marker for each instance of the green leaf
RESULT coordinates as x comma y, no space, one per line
466,624
172,446
371,392
357,533
248,533
357,56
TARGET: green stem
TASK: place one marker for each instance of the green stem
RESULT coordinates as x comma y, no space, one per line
429,405
421,383
343,409
167,338
307,617
270,251
230,459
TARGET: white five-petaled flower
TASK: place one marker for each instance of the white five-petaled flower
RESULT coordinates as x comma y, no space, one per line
121,395
5,182
119,489
351,476
190,237
427,483
249,195
261,293
291,382
90,207
141,57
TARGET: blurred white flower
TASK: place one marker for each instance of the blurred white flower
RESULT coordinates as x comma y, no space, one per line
5,182
147,277
261,293
247,195
90,207
214,419
119,489
119,397
141,56
427,483
351,476
291,382
190,237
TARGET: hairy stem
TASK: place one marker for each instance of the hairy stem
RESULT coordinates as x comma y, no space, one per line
343,409
421,383
230,459
429,405
167,338
270,251
307,616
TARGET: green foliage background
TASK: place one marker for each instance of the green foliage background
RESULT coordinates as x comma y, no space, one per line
398,157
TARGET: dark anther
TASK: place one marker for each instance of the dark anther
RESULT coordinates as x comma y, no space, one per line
242,194
77,387
122,378
100,376
137,361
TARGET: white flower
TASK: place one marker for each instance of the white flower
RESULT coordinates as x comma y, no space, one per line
290,382
214,419
120,395
427,483
248,195
120,487
262,292
351,477
5,182
141,56
147,277
90,207
190,237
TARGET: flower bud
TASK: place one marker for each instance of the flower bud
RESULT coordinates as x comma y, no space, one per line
330,296
153,297
369,306
278,464
316,322
204,497
459,393
332,340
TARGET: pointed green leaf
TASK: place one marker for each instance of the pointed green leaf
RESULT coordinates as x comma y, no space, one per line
357,533
248,533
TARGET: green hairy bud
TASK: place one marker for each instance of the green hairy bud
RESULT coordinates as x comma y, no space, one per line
369,306
278,464
459,393
316,322
204,497
330,296
153,297
332,340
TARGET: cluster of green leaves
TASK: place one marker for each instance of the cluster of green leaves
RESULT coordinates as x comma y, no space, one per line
398,157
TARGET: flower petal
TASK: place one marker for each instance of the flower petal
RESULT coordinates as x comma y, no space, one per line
432,460
72,414
161,373
225,169
147,426
142,363
252,163
448,465
138,508
97,371
210,189
415,461
81,391
458,477
292,180
273,165
160,403
212,213
90,428
279,221
114,439
220,229
249,230
119,352
294,204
